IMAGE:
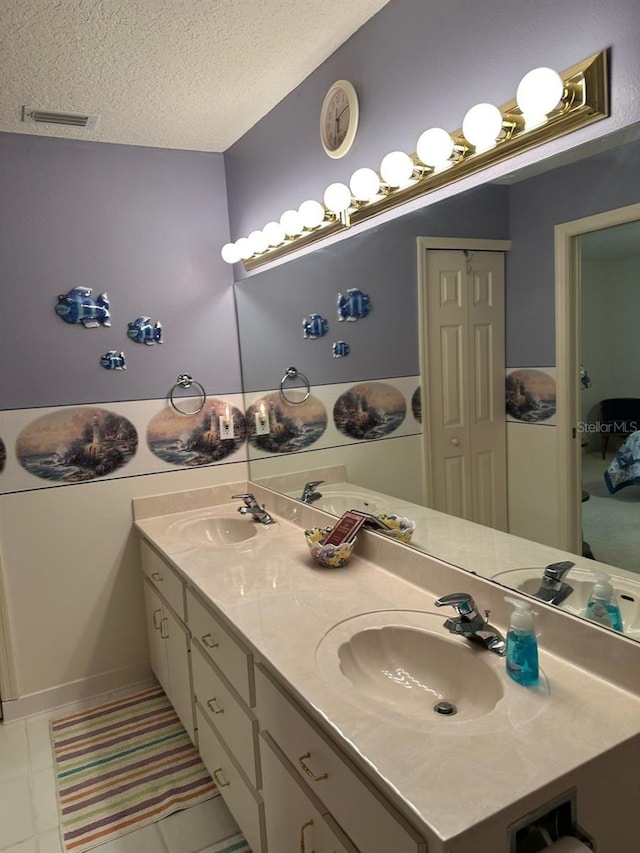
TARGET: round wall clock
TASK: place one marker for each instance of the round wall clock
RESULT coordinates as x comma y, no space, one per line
339,119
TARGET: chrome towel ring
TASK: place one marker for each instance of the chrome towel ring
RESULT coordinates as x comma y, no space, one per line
294,373
186,381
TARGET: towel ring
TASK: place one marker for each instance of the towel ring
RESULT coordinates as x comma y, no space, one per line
294,373
186,381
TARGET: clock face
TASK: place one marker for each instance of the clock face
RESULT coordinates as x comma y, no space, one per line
339,119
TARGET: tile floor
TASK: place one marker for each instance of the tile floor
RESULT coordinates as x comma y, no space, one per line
28,808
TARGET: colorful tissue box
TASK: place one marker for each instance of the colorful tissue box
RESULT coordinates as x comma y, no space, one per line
400,528
329,556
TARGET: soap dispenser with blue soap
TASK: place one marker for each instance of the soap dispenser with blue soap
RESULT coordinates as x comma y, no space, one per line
602,606
522,645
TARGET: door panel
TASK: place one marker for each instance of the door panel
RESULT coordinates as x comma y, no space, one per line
464,342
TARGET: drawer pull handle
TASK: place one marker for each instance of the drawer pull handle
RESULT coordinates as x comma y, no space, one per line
206,641
303,847
310,772
156,622
211,705
218,782
156,576
164,623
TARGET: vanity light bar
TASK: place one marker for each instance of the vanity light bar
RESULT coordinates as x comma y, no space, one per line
498,133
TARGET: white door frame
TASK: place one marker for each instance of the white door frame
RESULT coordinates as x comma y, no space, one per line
424,244
8,676
567,274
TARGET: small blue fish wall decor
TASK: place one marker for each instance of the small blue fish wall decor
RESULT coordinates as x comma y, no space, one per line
78,306
315,326
340,349
354,305
142,332
113,360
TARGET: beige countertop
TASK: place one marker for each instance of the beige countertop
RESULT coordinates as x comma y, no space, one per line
284,605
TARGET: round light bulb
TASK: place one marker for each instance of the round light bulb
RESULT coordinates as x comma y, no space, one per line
481,126
364,184
230,253
259,242
337,197
396,169
311,213
435,147
538,93
291,222
245,248
274,232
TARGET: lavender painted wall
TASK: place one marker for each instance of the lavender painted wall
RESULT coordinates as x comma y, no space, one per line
382,262
418,64
143,224
601,182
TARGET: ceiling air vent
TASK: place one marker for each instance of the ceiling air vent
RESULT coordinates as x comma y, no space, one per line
31,115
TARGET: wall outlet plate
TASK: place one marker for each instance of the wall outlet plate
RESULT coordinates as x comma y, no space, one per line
226,428
262,425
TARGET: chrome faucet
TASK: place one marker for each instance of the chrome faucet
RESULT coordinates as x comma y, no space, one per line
252,507
553,589
309,494
470,624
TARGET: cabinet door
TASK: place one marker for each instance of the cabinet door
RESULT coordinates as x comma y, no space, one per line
155,629
176,640
293,821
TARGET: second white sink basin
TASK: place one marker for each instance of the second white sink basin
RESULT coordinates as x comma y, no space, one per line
405,664
413,670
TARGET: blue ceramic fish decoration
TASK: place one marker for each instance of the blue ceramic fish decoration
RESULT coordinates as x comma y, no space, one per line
354,305
340,349
315,326
142,332
78,306
113,360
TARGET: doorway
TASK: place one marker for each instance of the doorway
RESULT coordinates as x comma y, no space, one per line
461,294
574,245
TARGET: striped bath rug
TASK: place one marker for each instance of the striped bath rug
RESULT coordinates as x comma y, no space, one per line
124,765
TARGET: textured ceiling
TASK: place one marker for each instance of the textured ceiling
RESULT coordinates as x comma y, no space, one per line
192,74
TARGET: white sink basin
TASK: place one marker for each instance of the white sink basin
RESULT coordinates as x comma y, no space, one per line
407,666
413,669
528,579
217,530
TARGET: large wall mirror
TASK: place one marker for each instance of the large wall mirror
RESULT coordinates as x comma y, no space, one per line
351,318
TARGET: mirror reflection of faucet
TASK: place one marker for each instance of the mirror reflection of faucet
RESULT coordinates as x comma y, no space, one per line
309,493
470,624
553,588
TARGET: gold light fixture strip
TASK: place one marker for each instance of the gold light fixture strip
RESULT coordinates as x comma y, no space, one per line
586,101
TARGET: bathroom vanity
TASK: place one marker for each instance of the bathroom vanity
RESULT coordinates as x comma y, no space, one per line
310,692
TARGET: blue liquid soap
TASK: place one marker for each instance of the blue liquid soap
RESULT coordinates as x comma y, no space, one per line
522,657
522,645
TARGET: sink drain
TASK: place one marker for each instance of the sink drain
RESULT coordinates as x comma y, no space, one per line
445,709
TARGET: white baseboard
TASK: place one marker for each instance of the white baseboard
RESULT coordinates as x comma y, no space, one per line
76,691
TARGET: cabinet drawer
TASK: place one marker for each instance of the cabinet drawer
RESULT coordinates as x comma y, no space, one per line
165,579
350,797
293,821
232,657
244,804
237,727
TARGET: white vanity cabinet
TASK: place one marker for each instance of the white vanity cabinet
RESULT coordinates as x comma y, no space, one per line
344,796
224,691
294,820
169,644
